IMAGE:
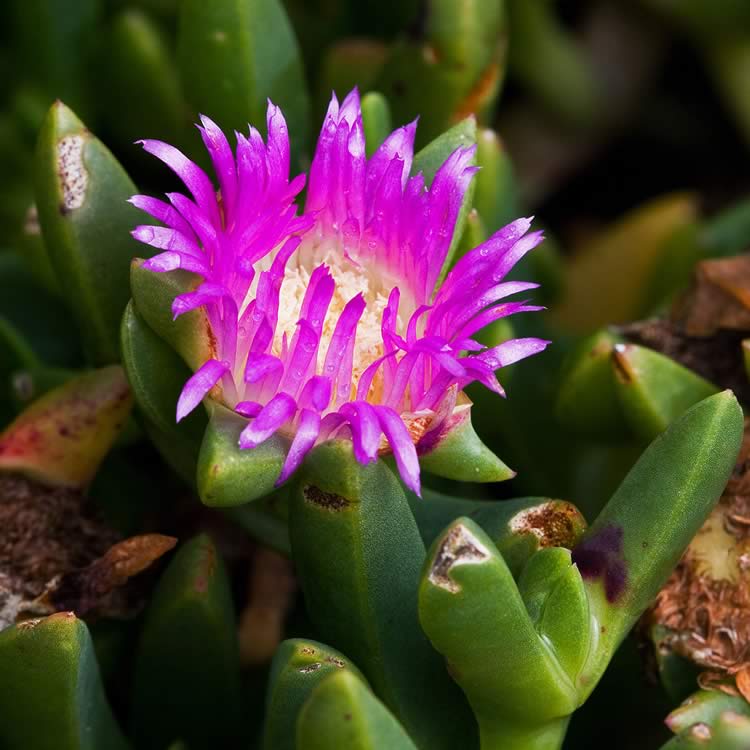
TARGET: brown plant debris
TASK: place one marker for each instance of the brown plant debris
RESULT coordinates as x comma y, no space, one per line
85,589
707,324
705,604
45,532
719,298
57,554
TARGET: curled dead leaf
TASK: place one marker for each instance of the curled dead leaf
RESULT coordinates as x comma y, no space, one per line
719,297
86,589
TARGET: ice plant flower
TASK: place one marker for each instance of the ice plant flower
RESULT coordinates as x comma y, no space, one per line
328,323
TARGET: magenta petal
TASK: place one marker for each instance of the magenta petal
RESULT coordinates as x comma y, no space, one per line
304,439
191,174
279,410
199,385
511,351
365,430
402,446
248,409
171,261
316,393
162,212
222,159
260,365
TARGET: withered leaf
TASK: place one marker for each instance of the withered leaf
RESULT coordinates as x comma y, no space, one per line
719,297
85,589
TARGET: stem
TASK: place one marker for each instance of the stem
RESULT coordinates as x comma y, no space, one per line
502,736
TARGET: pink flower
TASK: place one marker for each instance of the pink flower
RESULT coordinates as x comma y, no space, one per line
329,324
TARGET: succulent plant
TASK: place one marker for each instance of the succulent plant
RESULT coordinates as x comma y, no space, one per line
260,482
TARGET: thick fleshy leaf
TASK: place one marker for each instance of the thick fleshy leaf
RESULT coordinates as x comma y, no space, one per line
157,376
452,68
551,64
606,280
343,712
39,317
630,550
348,63
495,196
32,249
57,56
81,196
187,680
236,54
298,667
495,640
730,731
64,436
654,390
677,674
517,527
17,355
705,707
358,554
51,695
587,401
265,520
153,293
228,475
145,98
458,453
376,120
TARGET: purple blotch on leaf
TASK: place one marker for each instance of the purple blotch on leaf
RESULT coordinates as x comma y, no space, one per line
600,556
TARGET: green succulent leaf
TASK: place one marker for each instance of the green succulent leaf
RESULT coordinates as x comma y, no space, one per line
358,554
348,63
266,520
551,64
496,195
454,65
153,293
38,317
81,195
705,707
587,400
376,120
236,54
186,683
54,41
157,374
229,476
677,674
146,99
653,389
343,712
459,454
298,667
517,527
51,696
475,615
630,550
730,731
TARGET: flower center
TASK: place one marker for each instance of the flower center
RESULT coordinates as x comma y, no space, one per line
350,280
